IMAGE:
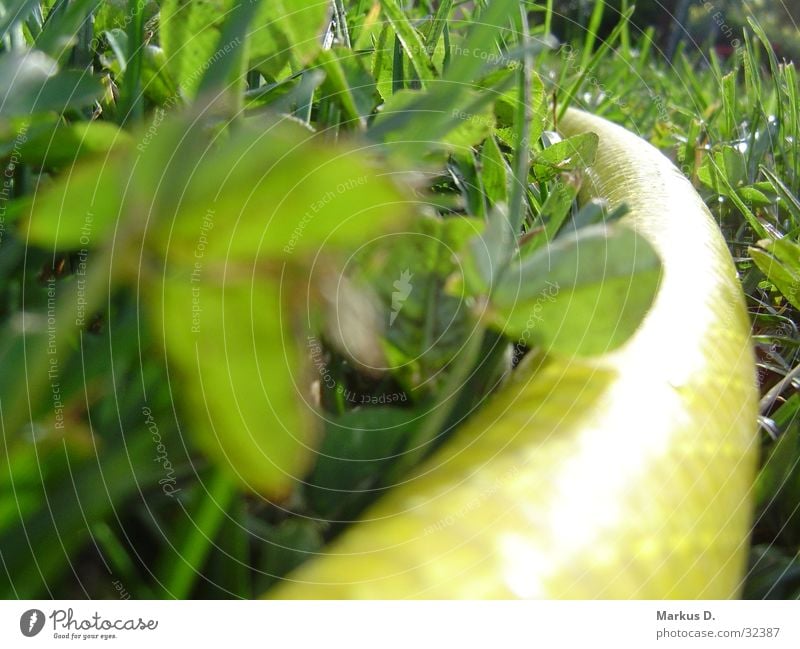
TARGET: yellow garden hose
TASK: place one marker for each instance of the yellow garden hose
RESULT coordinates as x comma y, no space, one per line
623,476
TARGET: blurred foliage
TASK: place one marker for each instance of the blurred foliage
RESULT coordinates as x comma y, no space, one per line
221,303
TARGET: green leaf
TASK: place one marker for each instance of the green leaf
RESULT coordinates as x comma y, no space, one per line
56,144
778,481
459,128
278,190
723,170
236,371
111,14
382,62
425,325
734,164
349,84
790,201
14,12
584,294
554,213
754,196
575,152
33,84
281,32
779,260
220,220
506,106
436,111
273,189
494,172
487,254
157,84
287,28
89,196
190,34
472,54
59,32
228,66
412,42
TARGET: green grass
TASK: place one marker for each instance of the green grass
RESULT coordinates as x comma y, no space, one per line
458,105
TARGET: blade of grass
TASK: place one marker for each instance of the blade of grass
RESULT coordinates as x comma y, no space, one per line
131,105
790,77
789,199
118,557
359,20
523,121
445,99
419,443
16,12
728,92
587,69
439,121
410,40
381,49
58,529
35,21
548,17
645,49
447,55
773,64
591,31
437,25
482,36
625,35
752,77
737,201
344,95
230,68
58,33
197,537
398,72
341,23
701,96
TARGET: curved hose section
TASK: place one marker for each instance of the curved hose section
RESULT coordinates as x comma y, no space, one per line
624,476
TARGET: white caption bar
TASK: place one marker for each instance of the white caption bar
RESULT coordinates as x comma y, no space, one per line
386,625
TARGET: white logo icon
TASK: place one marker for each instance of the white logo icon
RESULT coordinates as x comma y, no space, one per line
400,295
